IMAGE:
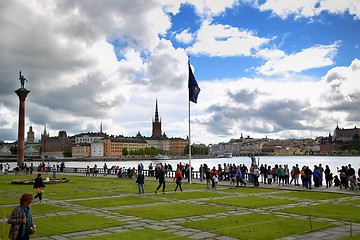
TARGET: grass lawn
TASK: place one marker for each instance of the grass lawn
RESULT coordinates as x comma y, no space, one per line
251,201
327,210
148,234
255,226
191,195
355,201
170,211
36,209
76,194
80,222
113,202
249,190
312,196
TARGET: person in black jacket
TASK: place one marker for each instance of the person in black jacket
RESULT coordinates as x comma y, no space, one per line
39,186
161,180
140,181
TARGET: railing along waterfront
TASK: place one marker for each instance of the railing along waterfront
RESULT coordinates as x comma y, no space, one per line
147,173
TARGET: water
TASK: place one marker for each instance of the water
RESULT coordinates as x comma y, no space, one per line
332,161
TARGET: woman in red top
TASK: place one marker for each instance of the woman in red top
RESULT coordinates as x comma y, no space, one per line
178,177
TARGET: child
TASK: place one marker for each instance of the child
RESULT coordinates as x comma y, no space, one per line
216,180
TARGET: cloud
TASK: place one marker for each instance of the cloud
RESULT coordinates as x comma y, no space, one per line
314,57
185,36
309,8
225,41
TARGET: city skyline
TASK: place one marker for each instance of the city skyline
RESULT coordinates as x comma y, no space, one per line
265,68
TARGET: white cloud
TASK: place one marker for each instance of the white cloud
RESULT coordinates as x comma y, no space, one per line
225,41
313,57
185,36
310,8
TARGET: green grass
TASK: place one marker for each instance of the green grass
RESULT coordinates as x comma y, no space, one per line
191,195
312,196
80,222
169,211
113,202
36,209
251,201
255,226
148,234
249,190
327,210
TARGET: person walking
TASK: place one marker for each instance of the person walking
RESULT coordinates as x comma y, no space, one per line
39,185
21,220
232,178
140,181
178,177
161,180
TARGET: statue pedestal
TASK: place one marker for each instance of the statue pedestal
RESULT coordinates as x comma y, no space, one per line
22,94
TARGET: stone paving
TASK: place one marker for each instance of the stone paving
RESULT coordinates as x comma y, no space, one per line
172,226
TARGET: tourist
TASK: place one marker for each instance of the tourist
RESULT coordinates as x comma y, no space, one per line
105,169
265,173
269,175
328,176
286,174
39,185
95,171
297,174
316,175
140,181
303,176
22,223
201,172
213,173
281,175
216,181
275,173
308,174
161,176
151,170
53,169
256,175
292,173
208,177
262,173
178,177
343,177
232,177
321,169
87,171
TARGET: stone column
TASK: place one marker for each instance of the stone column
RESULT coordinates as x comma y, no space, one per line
22,93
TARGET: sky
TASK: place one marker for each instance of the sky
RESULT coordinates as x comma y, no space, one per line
266,68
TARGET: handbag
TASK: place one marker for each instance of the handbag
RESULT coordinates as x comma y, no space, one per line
39,190
31,230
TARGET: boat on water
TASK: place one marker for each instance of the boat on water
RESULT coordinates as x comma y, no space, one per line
162,157
228,155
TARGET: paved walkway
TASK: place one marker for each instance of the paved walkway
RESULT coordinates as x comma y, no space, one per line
136,223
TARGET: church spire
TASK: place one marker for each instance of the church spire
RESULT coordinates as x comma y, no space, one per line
156,112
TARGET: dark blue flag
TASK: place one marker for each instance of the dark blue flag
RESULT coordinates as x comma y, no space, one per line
193,87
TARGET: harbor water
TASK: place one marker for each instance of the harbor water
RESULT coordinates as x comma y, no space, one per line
332,161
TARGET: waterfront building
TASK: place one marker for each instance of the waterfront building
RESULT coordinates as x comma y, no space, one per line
97,148
113,146
177,146
345,135
81,150
89,137
55,146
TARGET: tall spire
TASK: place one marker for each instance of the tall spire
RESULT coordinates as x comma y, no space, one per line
156,112
101,127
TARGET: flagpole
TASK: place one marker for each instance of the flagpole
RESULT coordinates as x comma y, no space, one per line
190,173
190,176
